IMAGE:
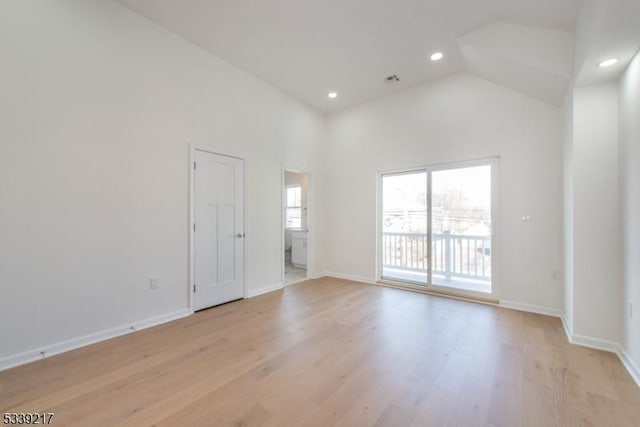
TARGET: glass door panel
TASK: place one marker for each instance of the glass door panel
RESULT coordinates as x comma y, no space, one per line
461,227
404,251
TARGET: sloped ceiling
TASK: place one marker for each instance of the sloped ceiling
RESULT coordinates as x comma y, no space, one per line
308,48
536,62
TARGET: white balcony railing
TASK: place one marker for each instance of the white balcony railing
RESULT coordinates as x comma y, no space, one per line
454,255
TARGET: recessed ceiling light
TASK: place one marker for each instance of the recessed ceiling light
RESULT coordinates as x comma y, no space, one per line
608,62
437,56
332,95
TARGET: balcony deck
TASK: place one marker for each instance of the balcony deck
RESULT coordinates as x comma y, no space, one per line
459,261
420,277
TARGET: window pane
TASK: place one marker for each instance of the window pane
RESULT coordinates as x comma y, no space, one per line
294,218
404,227
294,197
461,248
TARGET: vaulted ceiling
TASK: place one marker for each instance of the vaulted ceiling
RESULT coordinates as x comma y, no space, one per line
308,48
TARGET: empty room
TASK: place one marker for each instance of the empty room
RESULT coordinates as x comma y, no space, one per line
320,213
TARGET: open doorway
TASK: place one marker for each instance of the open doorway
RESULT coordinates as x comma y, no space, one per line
295,196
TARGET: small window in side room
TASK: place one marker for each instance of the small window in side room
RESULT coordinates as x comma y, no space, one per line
294,207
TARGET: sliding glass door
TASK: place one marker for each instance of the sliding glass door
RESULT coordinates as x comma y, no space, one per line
461,206
404,227
437,227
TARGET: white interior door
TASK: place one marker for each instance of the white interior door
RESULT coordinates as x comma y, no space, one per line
218,229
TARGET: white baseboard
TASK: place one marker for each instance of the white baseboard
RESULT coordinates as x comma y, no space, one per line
361,279
586,341
514,305
159,320
295,282
596,343
568,330
74,343
605,345
612,347
628,363
264,290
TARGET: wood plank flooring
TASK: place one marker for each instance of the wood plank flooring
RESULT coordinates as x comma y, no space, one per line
330,352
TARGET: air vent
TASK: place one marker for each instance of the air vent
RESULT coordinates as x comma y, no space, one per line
391,80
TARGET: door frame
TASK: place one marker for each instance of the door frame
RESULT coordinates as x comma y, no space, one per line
494,162
310,219
191,282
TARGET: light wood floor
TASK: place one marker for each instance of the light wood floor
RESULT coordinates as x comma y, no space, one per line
331,352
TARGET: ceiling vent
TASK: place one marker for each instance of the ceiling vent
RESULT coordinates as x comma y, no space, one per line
391,80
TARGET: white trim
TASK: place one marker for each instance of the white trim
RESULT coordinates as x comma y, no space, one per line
567,329
192,221
283,236
429,231
163,318
596,343
75,343
628,363
443,165
362,279
604,345
191,282
310,226
514,305
496,223
295,282
245,224
265,290
378,230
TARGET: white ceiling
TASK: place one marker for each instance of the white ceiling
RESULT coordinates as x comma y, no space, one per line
608,29
308,48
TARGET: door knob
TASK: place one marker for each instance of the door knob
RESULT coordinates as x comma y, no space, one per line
240,235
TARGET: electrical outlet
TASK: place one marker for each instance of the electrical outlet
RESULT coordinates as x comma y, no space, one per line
154,283
555,275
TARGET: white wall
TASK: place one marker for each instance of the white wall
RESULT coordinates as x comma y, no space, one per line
457,118
629,112
596,298
97,110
